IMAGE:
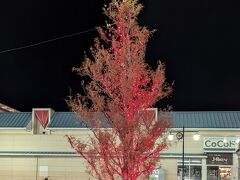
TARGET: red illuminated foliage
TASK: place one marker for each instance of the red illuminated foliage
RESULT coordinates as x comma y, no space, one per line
121,90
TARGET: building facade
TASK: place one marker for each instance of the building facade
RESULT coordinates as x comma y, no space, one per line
28,151
214,156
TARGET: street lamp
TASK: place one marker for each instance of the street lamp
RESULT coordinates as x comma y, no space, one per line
196,136
180,135
170,137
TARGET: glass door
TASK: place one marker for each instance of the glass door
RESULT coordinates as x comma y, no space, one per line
219,173
213,173
225,173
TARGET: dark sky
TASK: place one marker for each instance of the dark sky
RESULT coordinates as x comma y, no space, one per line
197,39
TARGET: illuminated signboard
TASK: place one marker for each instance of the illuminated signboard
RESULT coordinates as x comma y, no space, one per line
220,144
220,158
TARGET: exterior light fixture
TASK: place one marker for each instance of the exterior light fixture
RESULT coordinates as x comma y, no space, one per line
180,135
196,137
225,140
170,137
238,140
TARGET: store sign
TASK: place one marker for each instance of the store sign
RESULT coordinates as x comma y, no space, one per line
220,143
220,158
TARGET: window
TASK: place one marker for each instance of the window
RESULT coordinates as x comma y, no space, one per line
192,169
157,174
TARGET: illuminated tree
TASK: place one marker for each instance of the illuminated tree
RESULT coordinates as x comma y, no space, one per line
127,138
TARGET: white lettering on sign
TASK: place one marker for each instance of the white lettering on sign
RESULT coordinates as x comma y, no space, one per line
218,159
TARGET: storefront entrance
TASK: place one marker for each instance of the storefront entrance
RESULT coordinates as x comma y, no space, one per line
219,166
219,173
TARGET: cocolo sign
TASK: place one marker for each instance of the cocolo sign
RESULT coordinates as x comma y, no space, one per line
220,158
220,143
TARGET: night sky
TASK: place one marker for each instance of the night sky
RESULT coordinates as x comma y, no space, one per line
197,39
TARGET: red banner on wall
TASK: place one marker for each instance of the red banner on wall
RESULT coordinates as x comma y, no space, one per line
42,117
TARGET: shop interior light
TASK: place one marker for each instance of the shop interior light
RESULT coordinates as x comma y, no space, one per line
170,137
196,137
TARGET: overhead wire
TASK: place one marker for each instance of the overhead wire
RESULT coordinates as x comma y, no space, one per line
46,41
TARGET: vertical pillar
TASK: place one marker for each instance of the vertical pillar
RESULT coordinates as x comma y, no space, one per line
37,169
235,166
183,154
204,169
